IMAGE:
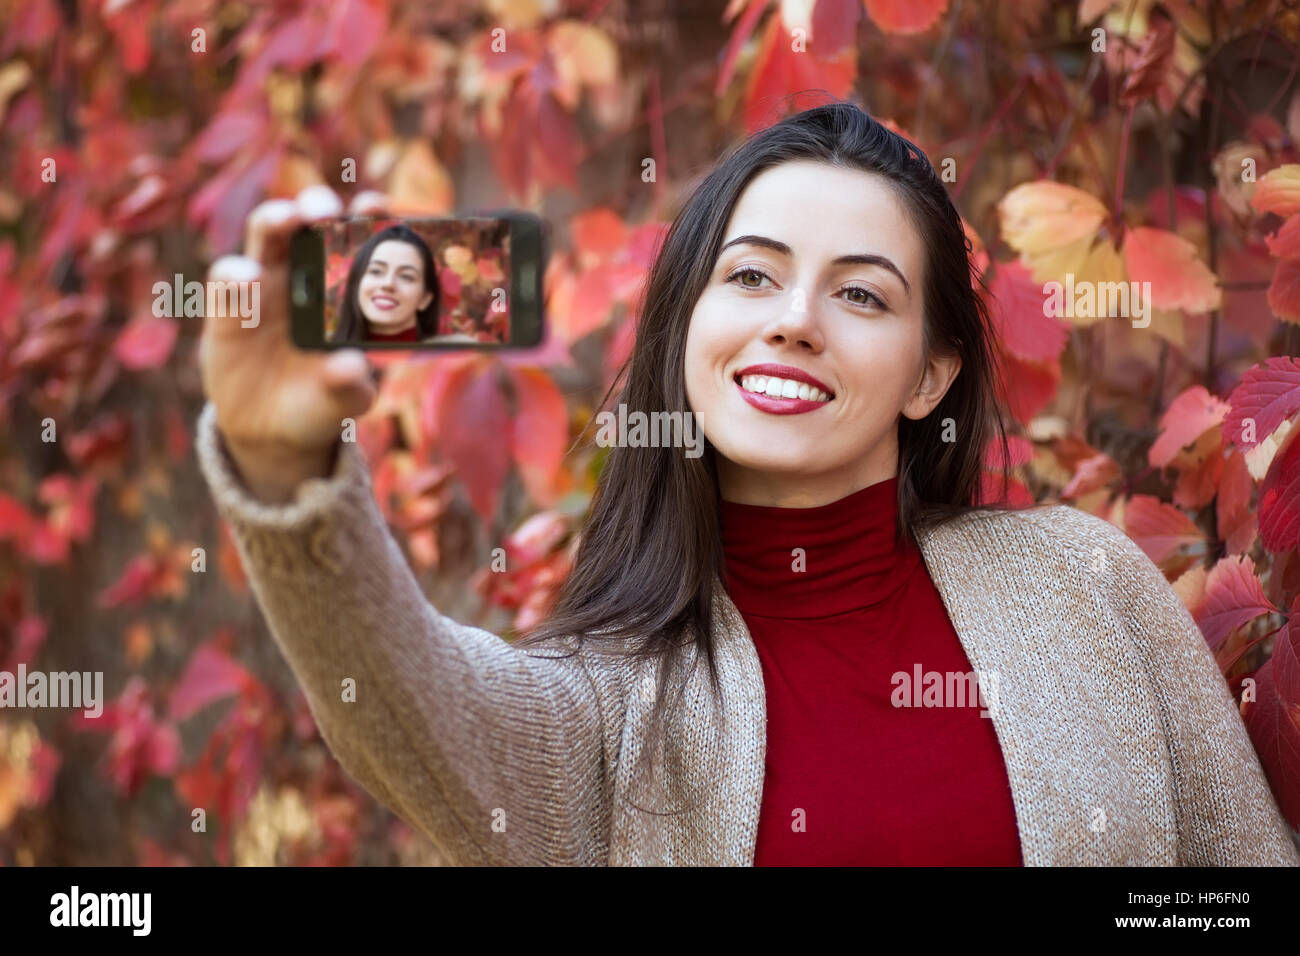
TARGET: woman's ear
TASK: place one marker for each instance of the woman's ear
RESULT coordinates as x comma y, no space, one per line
936,376
424,303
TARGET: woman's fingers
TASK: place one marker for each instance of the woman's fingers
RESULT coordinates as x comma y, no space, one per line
267,231
371,202
230,276
350,380
318,202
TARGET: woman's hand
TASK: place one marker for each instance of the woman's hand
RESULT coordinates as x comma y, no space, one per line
280,409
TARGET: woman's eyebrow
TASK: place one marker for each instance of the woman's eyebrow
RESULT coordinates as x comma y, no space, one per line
866,259
375,261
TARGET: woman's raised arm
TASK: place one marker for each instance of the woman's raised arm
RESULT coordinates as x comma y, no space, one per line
495,753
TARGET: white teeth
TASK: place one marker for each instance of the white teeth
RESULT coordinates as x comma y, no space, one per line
782,388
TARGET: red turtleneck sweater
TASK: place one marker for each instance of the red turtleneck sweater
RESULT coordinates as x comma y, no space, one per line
411,334
853,778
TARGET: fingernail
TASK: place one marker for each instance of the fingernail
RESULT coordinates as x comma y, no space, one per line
370,199
318,202
235,268
279,211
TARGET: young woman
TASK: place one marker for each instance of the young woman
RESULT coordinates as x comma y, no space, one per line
806,645
392,291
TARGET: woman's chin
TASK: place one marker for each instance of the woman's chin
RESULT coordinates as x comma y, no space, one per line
751,457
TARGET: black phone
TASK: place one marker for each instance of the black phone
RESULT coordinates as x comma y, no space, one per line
471,282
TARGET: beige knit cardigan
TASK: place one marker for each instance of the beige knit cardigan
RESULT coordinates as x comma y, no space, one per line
1121,740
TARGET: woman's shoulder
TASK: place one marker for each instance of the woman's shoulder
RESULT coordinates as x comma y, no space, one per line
1052,521
1045,539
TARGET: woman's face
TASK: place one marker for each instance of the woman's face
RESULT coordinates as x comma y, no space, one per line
392,289
820,273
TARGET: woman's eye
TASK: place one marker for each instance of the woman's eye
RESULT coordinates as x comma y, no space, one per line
868,296
749,271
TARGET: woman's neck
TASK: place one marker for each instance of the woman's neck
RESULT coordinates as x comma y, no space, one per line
750,486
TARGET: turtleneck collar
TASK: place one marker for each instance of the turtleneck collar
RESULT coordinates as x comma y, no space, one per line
849,561
409,334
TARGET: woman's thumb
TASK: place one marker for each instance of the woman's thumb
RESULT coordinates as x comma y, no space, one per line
350,380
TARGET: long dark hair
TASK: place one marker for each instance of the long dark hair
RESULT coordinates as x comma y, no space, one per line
352,326
651,548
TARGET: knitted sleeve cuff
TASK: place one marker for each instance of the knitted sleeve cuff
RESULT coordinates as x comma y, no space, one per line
304,528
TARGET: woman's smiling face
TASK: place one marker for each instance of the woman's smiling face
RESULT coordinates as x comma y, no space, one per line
392,289
818,286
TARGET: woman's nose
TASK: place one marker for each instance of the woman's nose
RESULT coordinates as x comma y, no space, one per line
798,322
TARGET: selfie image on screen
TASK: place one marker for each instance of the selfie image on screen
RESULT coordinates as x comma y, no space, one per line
417,281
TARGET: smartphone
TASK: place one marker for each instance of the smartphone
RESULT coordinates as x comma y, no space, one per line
472,282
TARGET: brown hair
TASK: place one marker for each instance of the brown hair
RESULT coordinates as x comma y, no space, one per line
651,546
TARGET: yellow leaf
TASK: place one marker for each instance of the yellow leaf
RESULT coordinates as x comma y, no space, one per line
295,174
1260,457
1168,324
520,14
1278,191
13,77
583,56
1051,225
419,184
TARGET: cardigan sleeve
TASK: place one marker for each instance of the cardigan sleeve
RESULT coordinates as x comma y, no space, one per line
1227,815
493,752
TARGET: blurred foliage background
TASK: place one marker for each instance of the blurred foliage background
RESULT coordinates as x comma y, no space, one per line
1108,138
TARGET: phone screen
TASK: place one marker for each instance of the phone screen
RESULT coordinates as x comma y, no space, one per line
417,283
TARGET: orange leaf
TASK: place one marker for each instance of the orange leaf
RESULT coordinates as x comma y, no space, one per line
473,420
593,298
1020,316
1278,191
1285,243
1284,290
1236,521
1030,385
1092,473
780,71
598,235
905,16
1189,416
1179,280
1158,528
540,433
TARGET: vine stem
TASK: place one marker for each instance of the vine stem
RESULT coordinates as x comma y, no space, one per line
1123,158
1003,107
